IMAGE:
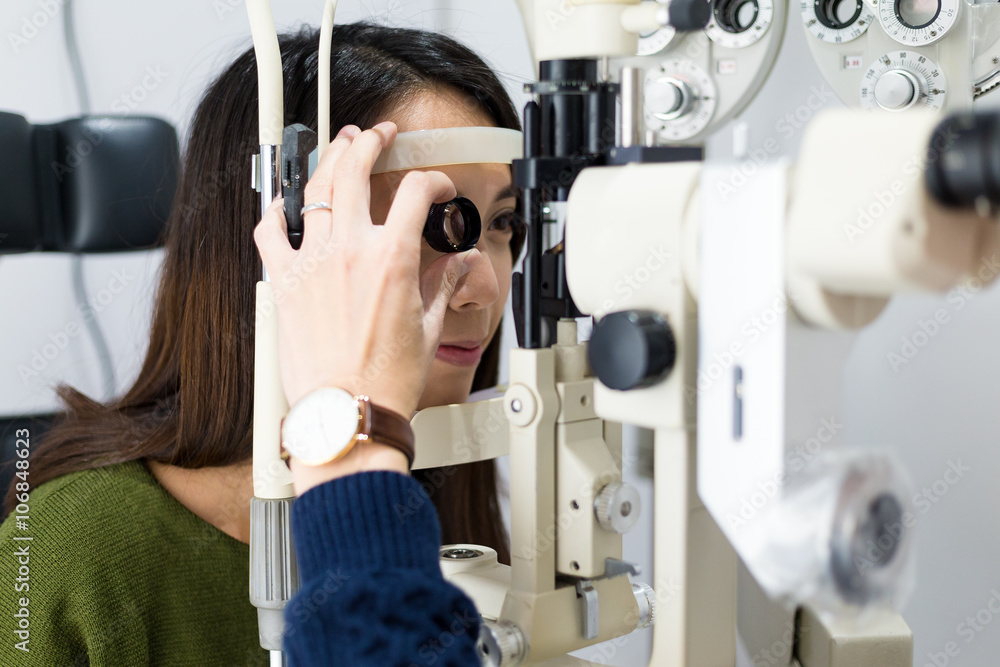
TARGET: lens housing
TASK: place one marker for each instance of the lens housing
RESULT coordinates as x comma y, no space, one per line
963,160
453,226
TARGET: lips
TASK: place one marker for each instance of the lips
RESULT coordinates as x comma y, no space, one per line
460,353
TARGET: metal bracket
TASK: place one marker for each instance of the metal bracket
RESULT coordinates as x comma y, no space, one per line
614,567
588,607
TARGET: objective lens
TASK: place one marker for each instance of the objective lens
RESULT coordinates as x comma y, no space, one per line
736,16
917,13
453,226
838,14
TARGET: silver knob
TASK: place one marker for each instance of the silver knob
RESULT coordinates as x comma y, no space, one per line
645,597
617,507
897,90
669,97
501,644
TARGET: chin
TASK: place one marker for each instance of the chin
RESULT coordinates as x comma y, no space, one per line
446,384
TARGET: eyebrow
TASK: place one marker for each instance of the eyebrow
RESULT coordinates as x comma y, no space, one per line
511,191
507,193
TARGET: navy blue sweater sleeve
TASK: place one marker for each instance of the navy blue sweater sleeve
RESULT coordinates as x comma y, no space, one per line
372,592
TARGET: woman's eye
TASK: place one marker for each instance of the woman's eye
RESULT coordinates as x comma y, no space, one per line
503,223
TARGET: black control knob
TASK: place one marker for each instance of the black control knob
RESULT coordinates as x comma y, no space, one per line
632,349
689,15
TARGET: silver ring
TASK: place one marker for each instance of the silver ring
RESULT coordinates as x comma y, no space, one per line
314,206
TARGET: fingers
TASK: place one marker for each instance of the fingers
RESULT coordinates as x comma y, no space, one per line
318,224
352,174
438,284
271,238
320,185
413,200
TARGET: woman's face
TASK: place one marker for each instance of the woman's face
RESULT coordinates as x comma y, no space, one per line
477,305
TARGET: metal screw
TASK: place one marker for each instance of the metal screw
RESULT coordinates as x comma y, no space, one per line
461,554
515,405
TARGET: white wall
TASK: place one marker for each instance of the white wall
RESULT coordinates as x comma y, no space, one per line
937,409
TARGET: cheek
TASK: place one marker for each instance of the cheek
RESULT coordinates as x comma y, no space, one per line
502,267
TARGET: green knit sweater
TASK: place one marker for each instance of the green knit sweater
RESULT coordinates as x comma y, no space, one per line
121,574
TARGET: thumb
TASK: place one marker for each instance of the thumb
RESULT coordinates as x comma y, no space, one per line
440,280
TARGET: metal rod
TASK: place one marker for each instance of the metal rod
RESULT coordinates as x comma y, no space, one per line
532,207
631,119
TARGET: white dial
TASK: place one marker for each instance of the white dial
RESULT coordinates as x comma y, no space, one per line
679,99
736,24
836,21
917,22
656,41
902,80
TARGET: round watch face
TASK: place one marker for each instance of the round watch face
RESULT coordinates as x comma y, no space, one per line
321,426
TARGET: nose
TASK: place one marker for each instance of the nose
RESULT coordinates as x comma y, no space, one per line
478,288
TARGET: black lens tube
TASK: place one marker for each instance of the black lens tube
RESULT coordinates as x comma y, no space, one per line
963,160
453,226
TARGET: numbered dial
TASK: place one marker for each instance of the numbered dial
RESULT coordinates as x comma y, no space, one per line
900,80
836,21
680,100
656,41
917,22
737,24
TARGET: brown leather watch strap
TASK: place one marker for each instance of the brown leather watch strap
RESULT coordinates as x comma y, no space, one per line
388,427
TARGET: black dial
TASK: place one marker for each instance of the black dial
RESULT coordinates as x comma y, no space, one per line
632,349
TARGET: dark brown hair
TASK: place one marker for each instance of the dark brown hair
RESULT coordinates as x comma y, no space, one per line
192,404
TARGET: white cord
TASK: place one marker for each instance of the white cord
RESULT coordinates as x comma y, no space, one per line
325,43
79,286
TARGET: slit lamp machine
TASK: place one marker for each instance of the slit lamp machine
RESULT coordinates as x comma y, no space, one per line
723,313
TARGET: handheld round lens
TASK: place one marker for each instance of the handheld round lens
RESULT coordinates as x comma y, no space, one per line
453,226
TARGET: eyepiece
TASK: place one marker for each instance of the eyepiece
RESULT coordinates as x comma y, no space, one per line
453,226
964,160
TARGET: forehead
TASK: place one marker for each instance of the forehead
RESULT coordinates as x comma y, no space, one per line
438,107
443,107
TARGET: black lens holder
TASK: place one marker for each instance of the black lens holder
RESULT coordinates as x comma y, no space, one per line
436,234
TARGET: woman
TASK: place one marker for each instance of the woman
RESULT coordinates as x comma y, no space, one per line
138,552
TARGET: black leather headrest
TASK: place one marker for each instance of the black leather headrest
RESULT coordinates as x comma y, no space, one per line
92,184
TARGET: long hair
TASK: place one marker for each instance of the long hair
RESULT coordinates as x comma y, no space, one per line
191,405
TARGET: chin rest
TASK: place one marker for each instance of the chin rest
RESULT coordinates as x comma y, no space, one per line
91,184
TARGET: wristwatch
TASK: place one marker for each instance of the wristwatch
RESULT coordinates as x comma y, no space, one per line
326,424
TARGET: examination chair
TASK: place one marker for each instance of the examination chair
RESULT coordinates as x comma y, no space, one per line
95,184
